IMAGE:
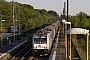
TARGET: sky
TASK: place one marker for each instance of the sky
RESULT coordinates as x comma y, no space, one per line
75,6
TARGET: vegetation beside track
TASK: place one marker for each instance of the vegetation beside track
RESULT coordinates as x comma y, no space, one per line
81,20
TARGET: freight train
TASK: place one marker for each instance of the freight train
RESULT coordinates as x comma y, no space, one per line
42,40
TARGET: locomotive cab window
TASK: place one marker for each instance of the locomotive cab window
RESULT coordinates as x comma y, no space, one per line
36,40
41,40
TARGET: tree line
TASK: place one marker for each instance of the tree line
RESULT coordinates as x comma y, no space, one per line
80,20
29,16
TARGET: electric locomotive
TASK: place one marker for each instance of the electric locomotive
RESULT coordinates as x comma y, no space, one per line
42,40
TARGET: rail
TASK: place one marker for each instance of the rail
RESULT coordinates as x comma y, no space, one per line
22,52
12,49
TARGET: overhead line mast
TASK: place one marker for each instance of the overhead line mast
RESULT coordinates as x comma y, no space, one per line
13,18
64,11
13,11
67,9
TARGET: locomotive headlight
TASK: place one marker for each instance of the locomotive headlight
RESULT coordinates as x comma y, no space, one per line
35,47
45,47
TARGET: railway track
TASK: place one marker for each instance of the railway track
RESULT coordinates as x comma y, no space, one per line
29,56
22,53
26,54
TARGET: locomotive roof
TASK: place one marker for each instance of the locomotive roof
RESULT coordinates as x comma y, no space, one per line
46,29
40,32
43,31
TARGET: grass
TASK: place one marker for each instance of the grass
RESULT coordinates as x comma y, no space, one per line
80,47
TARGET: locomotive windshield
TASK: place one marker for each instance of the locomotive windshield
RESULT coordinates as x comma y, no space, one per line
41,40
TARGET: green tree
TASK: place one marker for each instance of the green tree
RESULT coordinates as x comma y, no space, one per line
53,13
74,20
81,15
29,17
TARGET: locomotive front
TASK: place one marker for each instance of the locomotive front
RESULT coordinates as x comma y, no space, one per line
40,44
43,39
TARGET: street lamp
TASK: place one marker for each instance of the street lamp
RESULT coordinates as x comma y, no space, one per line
1,32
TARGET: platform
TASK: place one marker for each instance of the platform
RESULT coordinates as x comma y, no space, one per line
58,51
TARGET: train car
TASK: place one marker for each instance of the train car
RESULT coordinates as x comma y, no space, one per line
42,40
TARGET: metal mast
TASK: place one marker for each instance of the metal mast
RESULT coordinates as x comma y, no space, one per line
13,11
67,10
13,18
64,10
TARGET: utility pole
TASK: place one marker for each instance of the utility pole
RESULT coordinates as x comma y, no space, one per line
13,11
64,11
13,18
19,21
67,9
67,29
